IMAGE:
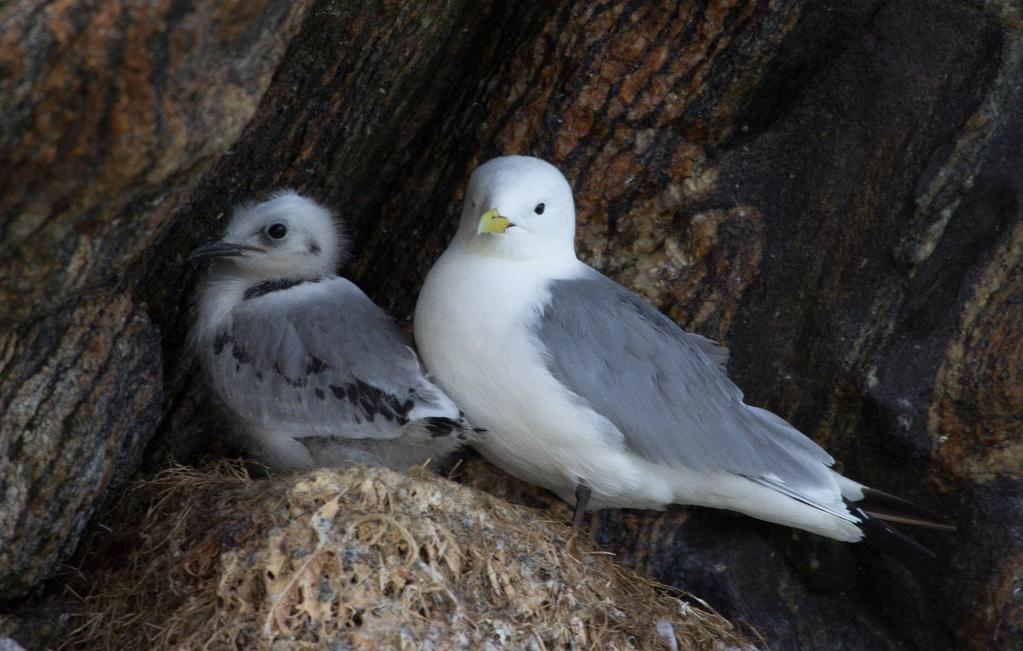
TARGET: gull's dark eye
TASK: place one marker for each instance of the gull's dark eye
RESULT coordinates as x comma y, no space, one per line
539,208
276,231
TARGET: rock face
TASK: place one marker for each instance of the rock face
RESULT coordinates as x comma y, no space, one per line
832,191
111,112
81,389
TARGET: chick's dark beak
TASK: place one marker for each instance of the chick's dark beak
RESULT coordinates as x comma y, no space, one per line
222,249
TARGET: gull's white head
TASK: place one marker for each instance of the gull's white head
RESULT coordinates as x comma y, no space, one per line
287,236
518,207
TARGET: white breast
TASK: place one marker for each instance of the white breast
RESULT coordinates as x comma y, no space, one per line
217,297
473,329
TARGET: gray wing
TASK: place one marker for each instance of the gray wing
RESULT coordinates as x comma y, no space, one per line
665,390
321,359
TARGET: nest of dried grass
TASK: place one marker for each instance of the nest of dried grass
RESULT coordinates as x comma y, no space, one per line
361,559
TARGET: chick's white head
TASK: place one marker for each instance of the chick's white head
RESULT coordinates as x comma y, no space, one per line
287,236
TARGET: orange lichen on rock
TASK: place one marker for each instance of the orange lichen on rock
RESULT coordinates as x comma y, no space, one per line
974,419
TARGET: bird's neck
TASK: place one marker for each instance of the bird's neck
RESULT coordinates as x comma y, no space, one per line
221,293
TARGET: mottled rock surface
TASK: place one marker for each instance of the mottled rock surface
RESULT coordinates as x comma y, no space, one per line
80,389
831,189
110,112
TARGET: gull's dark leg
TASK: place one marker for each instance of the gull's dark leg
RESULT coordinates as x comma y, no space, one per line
582,498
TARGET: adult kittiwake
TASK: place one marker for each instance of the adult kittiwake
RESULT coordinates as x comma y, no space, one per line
587,390
311,370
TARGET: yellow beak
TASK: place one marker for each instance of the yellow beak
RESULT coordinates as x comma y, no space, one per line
492,222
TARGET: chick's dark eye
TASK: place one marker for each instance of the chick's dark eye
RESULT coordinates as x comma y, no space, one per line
539,208
277,231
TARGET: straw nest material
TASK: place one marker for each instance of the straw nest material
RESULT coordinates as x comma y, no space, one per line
361,558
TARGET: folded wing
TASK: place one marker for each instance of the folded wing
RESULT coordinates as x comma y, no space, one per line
667,393
321,359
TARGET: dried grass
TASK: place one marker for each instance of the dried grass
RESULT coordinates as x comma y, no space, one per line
360,559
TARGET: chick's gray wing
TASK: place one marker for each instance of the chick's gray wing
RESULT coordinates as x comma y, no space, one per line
321,359
665,389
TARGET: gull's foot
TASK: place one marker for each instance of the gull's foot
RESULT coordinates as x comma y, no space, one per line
582,498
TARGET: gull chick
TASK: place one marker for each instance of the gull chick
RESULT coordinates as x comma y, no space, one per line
589,391
310,369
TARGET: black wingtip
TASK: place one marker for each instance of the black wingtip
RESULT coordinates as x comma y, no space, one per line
875,528
877,509
441,426
883,506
